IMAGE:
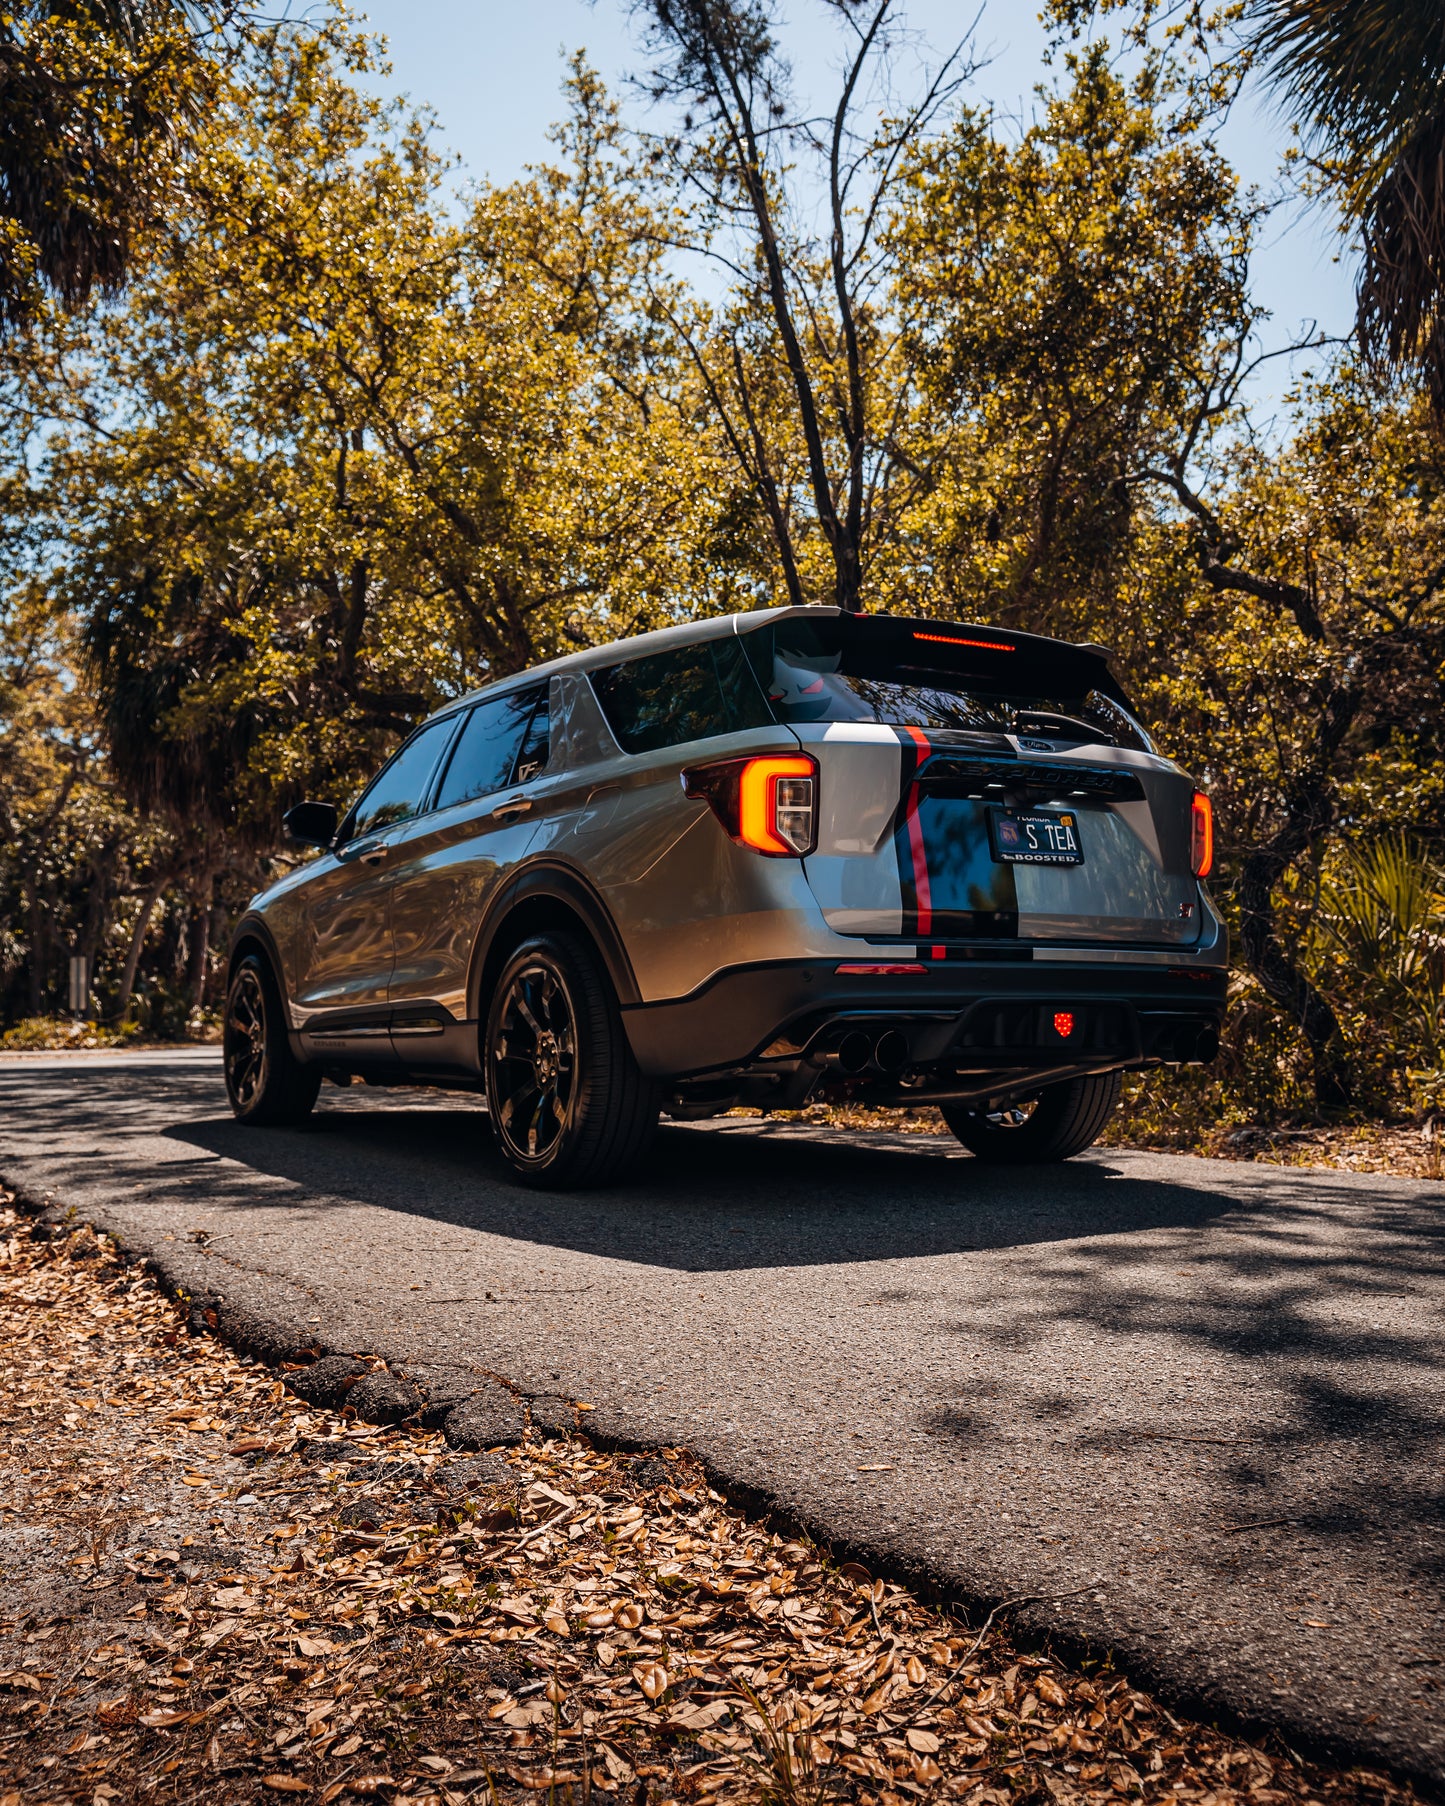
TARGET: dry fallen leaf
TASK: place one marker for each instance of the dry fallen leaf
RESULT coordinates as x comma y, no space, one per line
652,1678
393,1614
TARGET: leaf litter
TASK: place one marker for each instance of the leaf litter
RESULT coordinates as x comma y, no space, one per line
209,1587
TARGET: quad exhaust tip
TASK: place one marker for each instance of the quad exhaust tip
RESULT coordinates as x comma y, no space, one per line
858,1053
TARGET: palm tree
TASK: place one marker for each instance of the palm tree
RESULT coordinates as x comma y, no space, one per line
1365,79
95,97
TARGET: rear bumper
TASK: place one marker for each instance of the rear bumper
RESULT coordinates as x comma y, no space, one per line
962,1014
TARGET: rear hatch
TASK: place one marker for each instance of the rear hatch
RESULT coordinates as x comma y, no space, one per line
978,785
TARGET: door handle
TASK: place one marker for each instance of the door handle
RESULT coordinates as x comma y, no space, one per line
374,855
515,805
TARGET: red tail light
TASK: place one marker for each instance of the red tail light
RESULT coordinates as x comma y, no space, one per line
769,803
1201,842
1063,1023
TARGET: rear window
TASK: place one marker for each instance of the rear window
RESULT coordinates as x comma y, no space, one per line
690,693
927,674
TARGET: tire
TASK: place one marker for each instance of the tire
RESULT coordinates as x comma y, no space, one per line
1065,1120
568,1106
267,1085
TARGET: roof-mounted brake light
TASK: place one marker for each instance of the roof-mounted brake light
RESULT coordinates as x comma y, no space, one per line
954,639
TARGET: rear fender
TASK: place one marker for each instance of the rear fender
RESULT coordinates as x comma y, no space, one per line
546,895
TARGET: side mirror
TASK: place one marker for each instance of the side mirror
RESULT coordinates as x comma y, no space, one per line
314,824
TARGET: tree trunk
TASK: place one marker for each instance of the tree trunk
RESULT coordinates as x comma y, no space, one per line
1283,981
200,946
39,938
137,943
97,913
1309,815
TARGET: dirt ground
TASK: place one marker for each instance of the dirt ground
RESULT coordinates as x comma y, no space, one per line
208,1587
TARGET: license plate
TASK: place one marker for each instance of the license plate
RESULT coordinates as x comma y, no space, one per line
1050,837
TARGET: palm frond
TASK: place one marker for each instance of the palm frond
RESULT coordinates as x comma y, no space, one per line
1359,75
94,97
1383,907
1365,81
1401,319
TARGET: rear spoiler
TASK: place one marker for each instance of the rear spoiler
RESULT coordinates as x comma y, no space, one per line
1051,667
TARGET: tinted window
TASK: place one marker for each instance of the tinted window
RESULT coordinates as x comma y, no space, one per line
400,791
487,751
690,694
934,677
536,744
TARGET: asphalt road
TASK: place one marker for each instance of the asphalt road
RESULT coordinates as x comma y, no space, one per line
1209,1395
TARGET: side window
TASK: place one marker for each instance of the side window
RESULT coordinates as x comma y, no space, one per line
488,747
692,693
536,744
401,789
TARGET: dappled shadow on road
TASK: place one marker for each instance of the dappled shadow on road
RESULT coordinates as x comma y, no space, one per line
1320,1304
1173,1350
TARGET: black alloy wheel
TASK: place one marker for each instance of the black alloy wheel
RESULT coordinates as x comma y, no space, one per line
535,1061
246,1039
567,1103
265,1081
1063,1119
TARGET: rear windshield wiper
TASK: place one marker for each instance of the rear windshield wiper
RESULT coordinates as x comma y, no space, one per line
1067,727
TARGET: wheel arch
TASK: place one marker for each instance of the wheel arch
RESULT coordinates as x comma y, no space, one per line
253,936
542,897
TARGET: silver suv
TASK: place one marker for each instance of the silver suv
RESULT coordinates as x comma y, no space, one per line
771,858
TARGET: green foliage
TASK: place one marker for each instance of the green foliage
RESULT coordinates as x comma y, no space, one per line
39,1034
1062,295
1379,940
98,99
342,456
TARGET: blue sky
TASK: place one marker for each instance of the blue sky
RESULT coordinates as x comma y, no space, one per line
492,70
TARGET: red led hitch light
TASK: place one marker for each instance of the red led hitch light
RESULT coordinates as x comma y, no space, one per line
1064,1023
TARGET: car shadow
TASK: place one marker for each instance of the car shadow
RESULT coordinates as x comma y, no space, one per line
714,1197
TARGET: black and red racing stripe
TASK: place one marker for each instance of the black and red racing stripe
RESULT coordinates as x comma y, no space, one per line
913,877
